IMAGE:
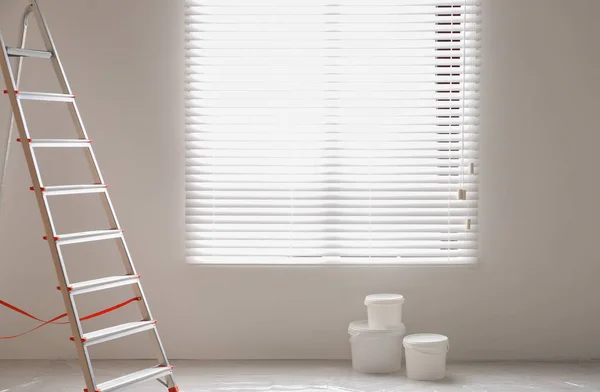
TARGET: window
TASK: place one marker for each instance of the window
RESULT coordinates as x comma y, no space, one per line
331,131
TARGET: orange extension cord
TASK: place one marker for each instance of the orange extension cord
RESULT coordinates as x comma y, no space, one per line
55,319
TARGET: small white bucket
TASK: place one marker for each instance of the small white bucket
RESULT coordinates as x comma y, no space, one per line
426,356
375,351
384,310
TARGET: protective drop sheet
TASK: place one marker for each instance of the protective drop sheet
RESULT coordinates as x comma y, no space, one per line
306,376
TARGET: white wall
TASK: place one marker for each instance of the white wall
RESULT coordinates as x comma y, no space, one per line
535,294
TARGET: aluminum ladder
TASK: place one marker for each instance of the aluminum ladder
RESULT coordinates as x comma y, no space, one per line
163,371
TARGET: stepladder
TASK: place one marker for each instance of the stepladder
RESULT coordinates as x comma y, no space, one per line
11,62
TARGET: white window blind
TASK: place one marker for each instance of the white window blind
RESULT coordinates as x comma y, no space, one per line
331,131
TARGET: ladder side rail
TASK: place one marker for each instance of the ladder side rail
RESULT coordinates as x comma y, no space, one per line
61,272
11,121
126,256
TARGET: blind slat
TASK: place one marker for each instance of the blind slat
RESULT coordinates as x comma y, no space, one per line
343,252
322,196
326,260
312,3
446,229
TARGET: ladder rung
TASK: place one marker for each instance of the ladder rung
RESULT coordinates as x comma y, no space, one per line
25,95
116,332
134,378
19,52
59,142
87,236
73,189
102,284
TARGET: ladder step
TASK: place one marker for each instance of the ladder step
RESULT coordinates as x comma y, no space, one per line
116,332
73,189
134,378
87,236
19,52
25,95
102,284
58,142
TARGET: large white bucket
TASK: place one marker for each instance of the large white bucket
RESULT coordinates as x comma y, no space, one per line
375,351
384,310
426,356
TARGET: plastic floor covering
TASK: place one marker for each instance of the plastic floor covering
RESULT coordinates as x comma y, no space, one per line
305,376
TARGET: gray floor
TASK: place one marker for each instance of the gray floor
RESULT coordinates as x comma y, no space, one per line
305,376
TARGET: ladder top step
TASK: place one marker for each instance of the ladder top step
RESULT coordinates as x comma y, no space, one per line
87,236
102,284
134,378
19,52
58,142
32,96
116,332
72,189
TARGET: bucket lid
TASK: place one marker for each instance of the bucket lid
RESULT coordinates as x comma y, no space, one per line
362,326
384,299
426,341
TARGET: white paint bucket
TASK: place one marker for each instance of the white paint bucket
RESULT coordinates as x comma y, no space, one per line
384,310
375,351
426,356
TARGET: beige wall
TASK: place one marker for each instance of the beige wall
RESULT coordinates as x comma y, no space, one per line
534,295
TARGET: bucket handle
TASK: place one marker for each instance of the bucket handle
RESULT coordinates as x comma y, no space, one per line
427,353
